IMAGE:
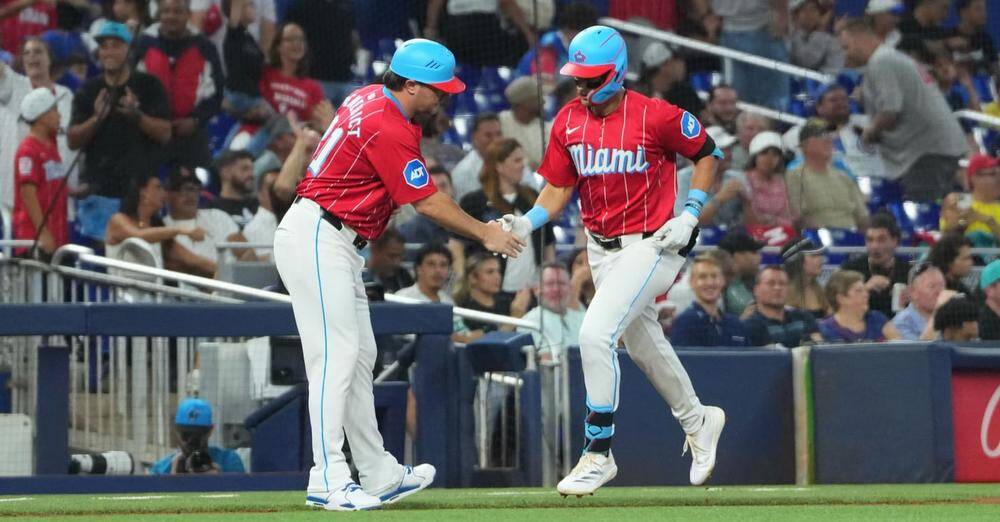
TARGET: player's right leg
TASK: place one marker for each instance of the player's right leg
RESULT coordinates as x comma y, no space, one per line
319,268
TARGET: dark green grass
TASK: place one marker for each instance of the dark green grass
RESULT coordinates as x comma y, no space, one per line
739,503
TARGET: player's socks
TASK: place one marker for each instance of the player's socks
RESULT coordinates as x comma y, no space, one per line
598,430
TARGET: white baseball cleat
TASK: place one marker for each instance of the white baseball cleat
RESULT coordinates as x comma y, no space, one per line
413,480
350,497
593,471
703,445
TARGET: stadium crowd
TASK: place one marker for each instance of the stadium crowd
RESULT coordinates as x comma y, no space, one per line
188,123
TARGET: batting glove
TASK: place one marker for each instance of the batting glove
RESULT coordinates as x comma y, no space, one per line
676,235
517,225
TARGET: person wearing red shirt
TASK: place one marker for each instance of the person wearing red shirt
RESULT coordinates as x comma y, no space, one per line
20,19
39,174
286,84
618,148
366,165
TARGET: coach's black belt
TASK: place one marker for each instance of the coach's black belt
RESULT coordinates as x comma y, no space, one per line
612,243
359,242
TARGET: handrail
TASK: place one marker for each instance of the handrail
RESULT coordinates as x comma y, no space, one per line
86,255
979,117
236,245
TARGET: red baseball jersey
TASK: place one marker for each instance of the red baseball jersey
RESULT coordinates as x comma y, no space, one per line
368,163
30,21
622,164
37,163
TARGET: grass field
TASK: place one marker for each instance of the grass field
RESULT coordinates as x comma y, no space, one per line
936,502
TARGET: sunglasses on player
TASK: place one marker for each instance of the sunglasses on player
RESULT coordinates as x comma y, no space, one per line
590,83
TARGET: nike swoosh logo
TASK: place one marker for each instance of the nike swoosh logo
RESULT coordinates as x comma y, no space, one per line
571,130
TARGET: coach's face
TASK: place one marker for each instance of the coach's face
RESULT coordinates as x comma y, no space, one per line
427,101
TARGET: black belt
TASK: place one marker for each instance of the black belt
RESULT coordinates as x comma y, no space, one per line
359,242
613,243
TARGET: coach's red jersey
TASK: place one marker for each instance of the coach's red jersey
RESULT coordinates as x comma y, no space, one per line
623,164
368,163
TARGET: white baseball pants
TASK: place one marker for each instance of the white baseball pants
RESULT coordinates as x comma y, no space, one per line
322,271
627,281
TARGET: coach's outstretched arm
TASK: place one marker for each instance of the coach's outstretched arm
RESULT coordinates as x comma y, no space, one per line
443,210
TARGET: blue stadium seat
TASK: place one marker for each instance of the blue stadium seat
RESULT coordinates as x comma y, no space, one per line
218,129
710,236
835,237
923,216
983,85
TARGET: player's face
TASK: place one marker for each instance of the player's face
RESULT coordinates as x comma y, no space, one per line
487,277
433,271
707,282
772,288
584,86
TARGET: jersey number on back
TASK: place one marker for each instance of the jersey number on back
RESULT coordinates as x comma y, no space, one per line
330,139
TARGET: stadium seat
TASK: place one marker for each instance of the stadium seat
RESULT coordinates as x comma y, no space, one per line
219,128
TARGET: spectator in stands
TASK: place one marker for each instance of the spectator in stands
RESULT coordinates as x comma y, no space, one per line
721,109
745,252
485,130
475,30
559,314
956,86
581,280
286,84
261,229
331,27
244,61
704,323
765,196
926,292
193,426
385,263
977,215
280,138
40,210
923,35
183,191
989,313
726,207
757,27
552,47
20,19
139,217
432,267
803,262
36,59
120,121
699,22
134,14
210,17
810,44
294,167
502,193
69,55
433,147
883,15
958,320
880,266
910,124
852,321
420,229
188,66
773,321
748,126
970,43
480,289
821,195
664,76
235,168
952,255
523,121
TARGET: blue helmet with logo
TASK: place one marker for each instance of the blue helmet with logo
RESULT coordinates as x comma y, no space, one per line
594,52
428,62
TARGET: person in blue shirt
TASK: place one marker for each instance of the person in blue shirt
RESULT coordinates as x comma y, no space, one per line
703,323
193,428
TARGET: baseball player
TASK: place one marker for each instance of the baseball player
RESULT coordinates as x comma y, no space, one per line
367,163
617,148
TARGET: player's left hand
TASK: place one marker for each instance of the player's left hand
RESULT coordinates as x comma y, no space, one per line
675,234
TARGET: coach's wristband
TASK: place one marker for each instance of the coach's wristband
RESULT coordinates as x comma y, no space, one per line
695,201
538,216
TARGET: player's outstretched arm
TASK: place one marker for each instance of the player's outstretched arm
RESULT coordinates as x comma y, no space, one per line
550,203
443,210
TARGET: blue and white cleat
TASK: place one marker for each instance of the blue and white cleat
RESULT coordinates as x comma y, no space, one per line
350,497
414,479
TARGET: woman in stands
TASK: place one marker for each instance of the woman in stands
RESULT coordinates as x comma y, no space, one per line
803,262
479,289
36,62
765,195
502,193
286,84
139,217
952,254
852,321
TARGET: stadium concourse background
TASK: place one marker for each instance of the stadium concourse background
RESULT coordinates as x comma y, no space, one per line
111,352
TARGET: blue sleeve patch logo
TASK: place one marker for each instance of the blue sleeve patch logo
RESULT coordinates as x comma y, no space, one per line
415,174
690,126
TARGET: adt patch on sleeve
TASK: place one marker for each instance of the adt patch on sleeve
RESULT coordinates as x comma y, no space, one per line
415,174
690,126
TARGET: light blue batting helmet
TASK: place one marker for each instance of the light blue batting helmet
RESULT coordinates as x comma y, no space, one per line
429,62
593,52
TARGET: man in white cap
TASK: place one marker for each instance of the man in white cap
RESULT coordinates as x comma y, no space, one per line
725,207
522,120
38,174
884,17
